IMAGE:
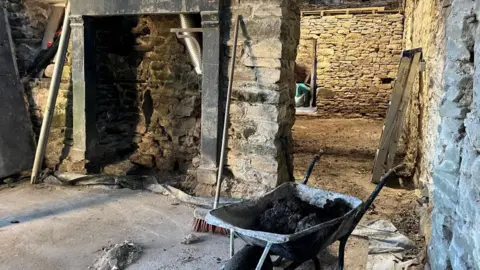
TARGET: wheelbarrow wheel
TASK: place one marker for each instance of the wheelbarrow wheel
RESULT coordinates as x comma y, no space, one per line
247,259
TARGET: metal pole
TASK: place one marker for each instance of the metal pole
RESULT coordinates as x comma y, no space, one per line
264,256
52,96
227,111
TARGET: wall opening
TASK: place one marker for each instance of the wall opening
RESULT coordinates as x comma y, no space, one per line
147,96
358,53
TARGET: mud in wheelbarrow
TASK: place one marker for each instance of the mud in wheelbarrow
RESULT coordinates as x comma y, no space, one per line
301,246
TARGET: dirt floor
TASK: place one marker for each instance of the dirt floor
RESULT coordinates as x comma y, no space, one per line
349,147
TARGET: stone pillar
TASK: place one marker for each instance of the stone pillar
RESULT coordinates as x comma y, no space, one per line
262,110
211,106
83,68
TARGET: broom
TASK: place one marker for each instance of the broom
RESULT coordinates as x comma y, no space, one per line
199,223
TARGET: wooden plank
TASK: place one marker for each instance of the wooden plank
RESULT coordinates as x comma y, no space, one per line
397,94
389,125
414,69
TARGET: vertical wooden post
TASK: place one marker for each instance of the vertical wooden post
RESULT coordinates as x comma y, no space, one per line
313,76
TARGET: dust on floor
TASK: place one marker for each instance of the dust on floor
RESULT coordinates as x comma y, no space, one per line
70,227
349,147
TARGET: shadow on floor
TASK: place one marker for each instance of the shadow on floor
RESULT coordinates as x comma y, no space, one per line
57,207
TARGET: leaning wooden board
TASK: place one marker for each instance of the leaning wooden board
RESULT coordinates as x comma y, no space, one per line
403,109
16,138
392,128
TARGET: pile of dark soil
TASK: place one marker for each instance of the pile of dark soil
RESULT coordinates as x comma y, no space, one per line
291,215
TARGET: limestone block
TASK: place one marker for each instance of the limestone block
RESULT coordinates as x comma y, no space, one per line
264,112
265,28
268,75
473,132
262,62
266,11
268,48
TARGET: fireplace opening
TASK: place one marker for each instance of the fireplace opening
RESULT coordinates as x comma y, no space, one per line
148,97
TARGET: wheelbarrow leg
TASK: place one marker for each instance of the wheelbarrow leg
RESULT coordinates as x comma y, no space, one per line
264,256
341,252
232,242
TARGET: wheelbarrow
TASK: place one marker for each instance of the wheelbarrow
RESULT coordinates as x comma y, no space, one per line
301,246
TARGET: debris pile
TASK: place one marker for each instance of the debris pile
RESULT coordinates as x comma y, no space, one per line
290,215
118,256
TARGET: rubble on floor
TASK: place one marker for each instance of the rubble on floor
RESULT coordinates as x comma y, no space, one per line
118,256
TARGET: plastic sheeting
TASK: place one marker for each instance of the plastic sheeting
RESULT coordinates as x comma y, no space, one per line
386,246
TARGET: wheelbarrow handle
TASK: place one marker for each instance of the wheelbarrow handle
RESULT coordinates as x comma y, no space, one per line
374,194
309,170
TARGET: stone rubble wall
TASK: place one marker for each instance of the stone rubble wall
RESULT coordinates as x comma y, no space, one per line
60,138
358,57
341,4
262,110
455,237
28,19
424,28
148,98
148,95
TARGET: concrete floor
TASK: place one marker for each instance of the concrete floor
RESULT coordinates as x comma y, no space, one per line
66,228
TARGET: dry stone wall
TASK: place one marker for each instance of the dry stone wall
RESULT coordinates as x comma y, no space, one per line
60,139
424,28
339,4
262,110
148,98
357,61
28,19
148,95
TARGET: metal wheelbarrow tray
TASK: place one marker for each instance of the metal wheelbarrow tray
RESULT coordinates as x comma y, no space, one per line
301,246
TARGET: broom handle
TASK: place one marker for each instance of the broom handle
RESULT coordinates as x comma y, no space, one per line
227,112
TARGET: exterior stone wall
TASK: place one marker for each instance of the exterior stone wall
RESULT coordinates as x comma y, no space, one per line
28,19
357,56
148,95
455,239
262,110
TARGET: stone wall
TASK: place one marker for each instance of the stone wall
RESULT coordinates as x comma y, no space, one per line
148,95
262,110
28,19
357,57
339,4
455,239
424,28
60,138
148,98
